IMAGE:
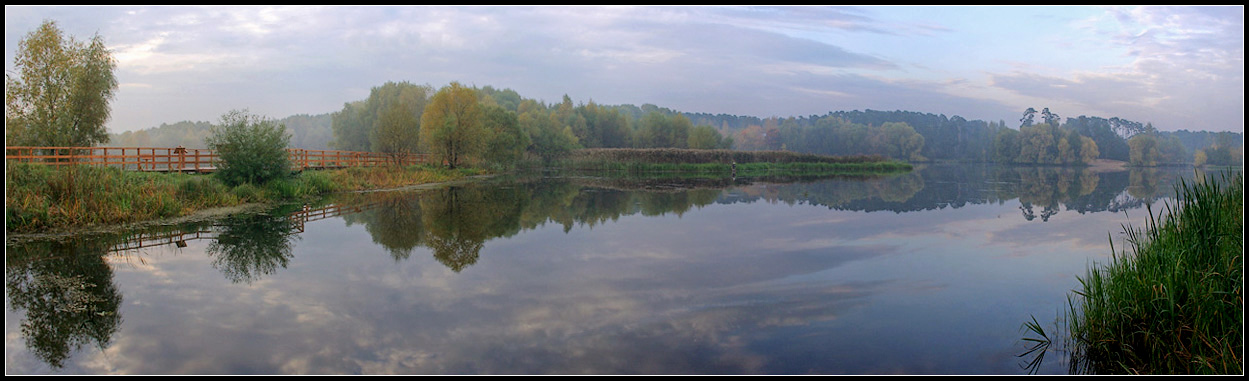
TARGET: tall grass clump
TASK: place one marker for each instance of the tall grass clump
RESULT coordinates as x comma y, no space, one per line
1173,303
39,198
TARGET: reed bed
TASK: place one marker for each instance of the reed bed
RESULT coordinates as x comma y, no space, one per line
41,198
1173,303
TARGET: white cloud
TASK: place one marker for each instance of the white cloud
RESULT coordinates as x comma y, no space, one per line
1168,65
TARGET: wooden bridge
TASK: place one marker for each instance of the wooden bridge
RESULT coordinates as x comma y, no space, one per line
195,160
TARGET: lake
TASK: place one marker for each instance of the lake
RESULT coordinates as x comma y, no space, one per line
928,272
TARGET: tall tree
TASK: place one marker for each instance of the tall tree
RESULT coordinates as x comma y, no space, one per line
357,126
452,124
1049,117
398,131
706,137
61,94
506,142
1028,116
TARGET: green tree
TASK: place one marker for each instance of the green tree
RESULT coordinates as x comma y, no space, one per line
1088,150
61,94
1038,144
1144,150
506,142
350,127
706,137
397,131
396,110
358,126
252,149
606,127
657,130
546,138
451,126
899,141
1006,145
1050,117
1028,116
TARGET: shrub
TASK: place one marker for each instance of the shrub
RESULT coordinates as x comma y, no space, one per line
251,149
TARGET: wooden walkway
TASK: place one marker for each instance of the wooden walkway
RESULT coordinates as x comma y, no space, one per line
195,160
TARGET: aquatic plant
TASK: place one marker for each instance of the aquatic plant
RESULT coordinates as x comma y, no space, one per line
1174,302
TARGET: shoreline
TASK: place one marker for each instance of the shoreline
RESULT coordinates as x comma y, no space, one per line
207,213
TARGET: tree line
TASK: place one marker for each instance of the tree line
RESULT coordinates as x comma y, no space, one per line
63,86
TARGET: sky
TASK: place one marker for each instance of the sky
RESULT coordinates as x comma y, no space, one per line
1174,67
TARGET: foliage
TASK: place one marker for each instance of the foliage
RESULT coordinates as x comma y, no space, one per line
1044,143
719,156
68,296
60,96
41,198
547,139
834,135
1148,150
251,149
707,137
506,141
251,246
1109,144
1224,151
657,130
387,121
452,126
1175,304
398,131
398,108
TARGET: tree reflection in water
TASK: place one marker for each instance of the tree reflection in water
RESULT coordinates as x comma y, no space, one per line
251,246
67,292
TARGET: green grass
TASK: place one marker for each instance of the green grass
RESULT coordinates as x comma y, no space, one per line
1173,303
41,198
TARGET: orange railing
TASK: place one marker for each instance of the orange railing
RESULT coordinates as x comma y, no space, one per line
195,159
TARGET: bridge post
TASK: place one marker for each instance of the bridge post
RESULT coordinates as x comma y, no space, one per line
181,152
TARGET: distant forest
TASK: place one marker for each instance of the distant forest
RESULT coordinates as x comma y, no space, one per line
1039,137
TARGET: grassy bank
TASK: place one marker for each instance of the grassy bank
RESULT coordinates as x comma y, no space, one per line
724,162
41,198
1174,302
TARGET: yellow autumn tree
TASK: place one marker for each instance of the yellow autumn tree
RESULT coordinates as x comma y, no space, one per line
452,126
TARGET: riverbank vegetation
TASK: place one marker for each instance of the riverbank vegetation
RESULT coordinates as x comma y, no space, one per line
40,198
723,162
1173,303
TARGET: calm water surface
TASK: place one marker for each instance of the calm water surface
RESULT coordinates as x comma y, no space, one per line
930,272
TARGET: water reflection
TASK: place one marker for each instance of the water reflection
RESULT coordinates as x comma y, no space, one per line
250,246
66,293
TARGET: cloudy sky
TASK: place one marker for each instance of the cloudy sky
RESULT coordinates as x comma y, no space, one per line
1175,67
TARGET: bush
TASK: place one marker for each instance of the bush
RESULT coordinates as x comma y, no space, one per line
251,149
